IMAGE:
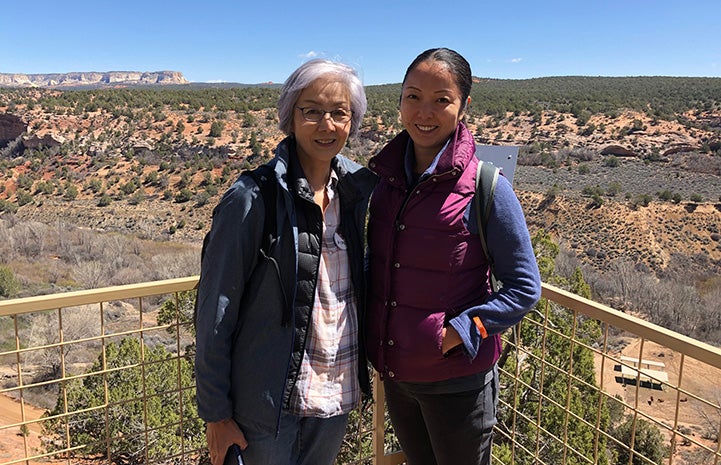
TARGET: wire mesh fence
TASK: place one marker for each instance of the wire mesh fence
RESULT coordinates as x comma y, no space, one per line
106,376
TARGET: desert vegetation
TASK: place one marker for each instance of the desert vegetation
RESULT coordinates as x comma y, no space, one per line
620,180
112,186
39,258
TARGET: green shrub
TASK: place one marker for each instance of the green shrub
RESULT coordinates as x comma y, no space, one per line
665,195
647,440
95,185
610,161
155,373
7,206
71,192
23,197
216,129
184,195
137,197
9,285
44,187
642,200
105,200
24,181
129,187
614,188
591,191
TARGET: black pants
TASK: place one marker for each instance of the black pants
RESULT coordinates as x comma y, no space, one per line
437,427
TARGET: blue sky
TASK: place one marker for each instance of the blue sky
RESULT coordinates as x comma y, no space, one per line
256,41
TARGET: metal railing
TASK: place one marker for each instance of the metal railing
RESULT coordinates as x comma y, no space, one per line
106,376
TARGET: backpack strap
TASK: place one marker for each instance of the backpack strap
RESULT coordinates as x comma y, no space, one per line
263,177
486,180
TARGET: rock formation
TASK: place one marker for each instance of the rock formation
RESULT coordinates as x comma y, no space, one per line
679,148
110,78
11,127
618,151
48,140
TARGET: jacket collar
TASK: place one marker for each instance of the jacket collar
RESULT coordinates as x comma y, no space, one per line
354,181
389,163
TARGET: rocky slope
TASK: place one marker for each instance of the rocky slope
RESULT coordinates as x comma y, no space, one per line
129,172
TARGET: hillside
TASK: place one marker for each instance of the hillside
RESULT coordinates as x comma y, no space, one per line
612,167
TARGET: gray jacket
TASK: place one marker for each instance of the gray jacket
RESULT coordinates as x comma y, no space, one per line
253,309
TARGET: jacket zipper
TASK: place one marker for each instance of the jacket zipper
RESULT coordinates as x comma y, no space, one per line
294,381
291,323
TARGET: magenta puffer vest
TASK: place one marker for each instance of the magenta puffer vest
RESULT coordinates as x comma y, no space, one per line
425,266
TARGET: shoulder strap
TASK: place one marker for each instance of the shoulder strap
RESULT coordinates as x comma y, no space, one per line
260,175
263,176
486,180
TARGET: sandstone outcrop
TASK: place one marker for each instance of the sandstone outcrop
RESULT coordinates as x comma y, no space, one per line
11,127
618,151
679,149
48,140
110,78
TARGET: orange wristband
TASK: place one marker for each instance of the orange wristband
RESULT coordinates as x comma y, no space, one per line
481,329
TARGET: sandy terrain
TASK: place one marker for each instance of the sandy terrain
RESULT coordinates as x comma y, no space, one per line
12,444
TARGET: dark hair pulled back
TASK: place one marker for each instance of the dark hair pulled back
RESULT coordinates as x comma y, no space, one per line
456,64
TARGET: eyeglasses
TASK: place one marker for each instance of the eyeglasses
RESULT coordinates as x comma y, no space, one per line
316,115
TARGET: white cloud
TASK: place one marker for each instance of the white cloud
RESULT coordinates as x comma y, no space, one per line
516,60
311,54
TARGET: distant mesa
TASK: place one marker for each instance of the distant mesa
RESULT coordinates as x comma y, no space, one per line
92,79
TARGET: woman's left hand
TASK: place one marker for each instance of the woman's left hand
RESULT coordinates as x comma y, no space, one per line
451,339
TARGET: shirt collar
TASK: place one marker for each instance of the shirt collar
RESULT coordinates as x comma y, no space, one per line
331,187
410,159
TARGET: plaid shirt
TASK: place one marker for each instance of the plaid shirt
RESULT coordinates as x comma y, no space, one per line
328,379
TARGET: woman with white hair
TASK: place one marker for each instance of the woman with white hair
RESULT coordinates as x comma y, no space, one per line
280,362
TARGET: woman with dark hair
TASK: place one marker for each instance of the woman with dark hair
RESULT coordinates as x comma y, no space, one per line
434,322
280,358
